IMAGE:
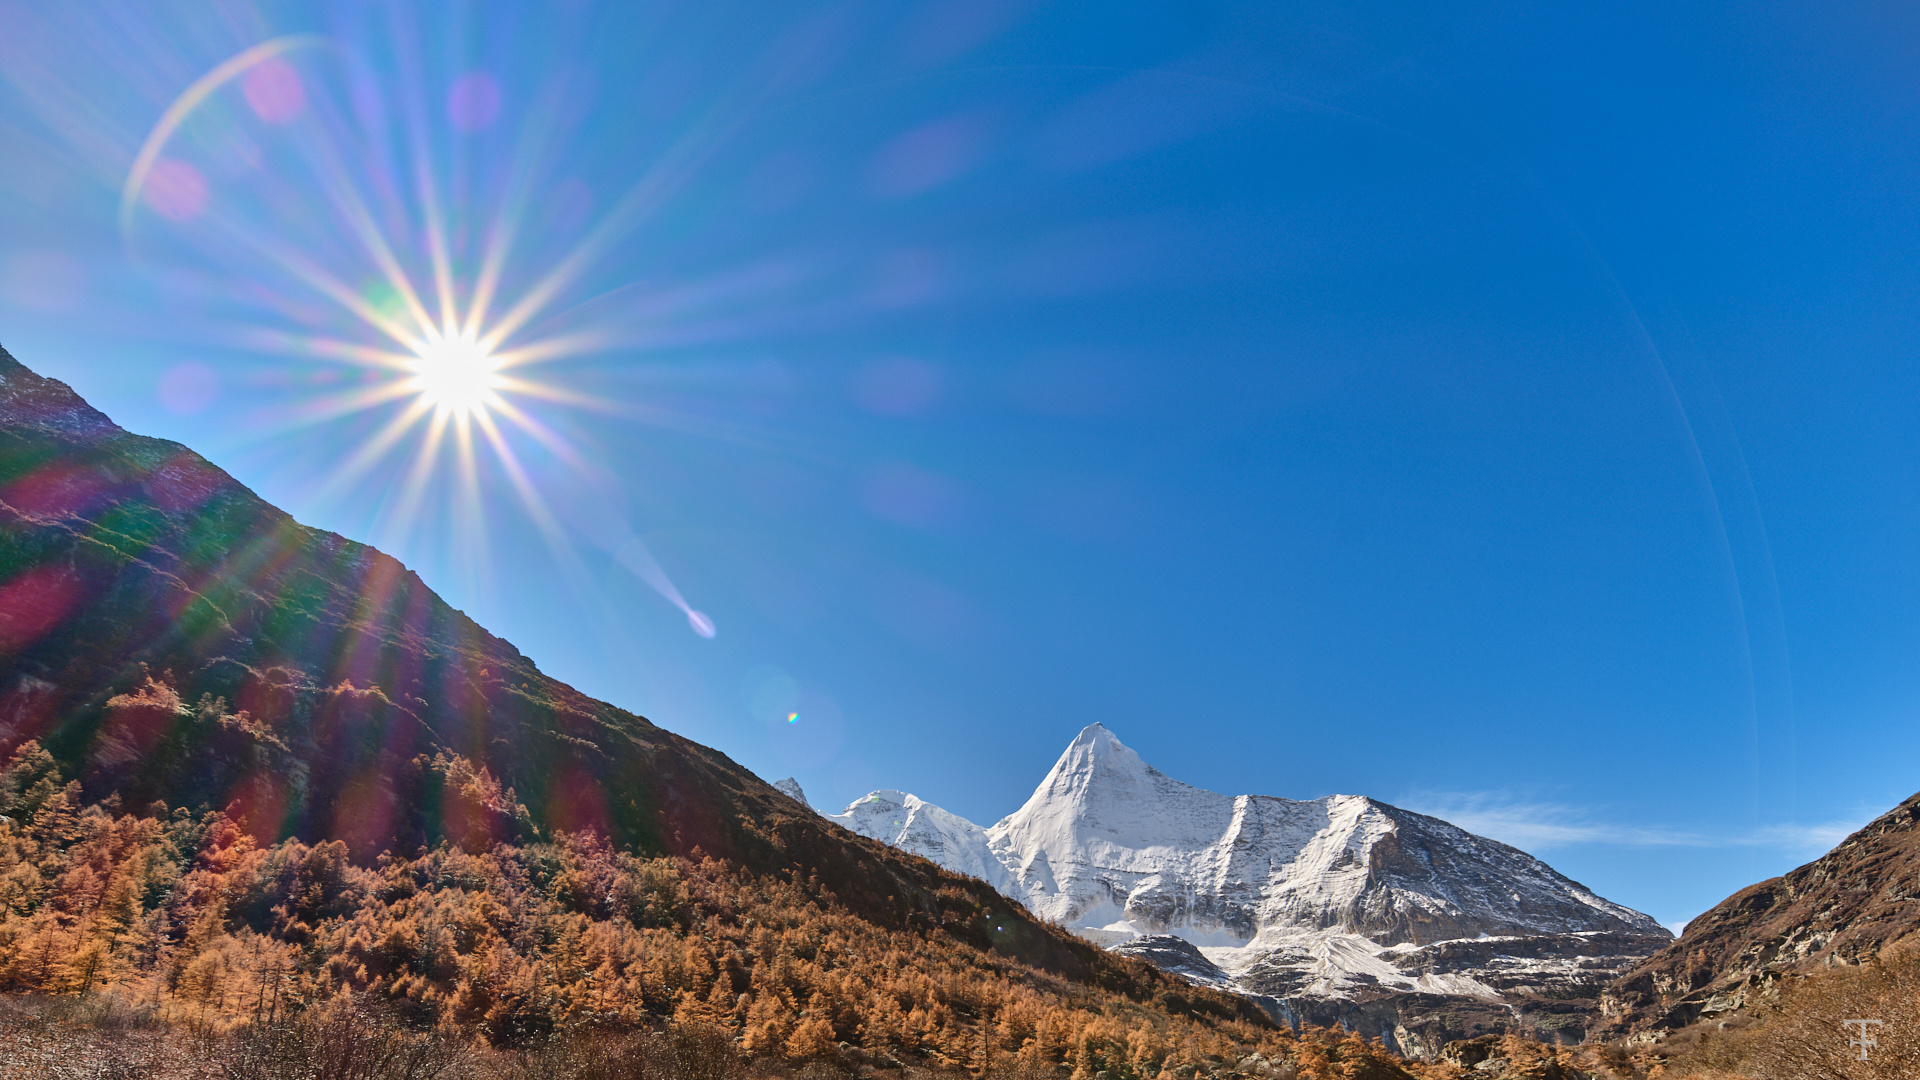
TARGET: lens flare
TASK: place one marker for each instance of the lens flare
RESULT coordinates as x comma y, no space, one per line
414,280
793,718
189,100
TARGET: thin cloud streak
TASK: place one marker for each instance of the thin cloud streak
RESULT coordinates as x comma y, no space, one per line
1541,826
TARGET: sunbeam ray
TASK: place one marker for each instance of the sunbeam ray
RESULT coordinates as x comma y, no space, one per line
434,325
326,348
373,450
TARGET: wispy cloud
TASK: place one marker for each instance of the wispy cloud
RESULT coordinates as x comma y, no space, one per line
1796,837
1534,825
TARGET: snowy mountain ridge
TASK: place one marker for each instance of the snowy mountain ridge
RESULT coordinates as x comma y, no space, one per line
1342,897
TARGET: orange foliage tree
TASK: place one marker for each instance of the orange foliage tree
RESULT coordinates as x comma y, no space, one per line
513,942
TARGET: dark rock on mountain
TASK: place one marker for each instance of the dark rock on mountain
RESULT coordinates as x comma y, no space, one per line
1547,987
1178,955
1843,908
1421,1025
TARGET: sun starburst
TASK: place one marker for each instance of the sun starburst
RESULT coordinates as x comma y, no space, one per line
445,334
457,375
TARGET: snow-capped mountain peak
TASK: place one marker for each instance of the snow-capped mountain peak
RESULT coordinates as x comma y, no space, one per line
1101,789
1323,897
791,789
913,824
1093,754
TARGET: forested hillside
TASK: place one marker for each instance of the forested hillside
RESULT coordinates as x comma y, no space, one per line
254,771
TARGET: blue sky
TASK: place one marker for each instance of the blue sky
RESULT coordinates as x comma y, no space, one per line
1507,411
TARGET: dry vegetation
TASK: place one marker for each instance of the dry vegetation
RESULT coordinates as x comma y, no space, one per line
1799,1033
173,944
102,1037
165,943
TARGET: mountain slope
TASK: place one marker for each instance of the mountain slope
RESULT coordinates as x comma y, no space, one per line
1843,908
176,637
166,635
1339,909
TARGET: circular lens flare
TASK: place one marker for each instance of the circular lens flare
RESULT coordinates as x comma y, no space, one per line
456,375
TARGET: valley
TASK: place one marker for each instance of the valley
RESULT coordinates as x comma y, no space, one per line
258,783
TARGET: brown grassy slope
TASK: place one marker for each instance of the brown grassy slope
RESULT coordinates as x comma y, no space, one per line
123,554
1845,907
1760,987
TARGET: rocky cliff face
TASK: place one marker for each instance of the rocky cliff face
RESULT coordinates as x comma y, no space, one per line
1842,908
1342,909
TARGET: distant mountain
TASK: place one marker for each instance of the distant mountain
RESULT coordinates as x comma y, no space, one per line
913,824
1843,908
1341,909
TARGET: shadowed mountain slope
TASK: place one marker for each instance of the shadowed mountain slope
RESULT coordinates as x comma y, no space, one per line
1843,908
170,636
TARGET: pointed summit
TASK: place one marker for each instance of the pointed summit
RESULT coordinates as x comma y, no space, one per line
1095,732
1101,791
791,789
1095,756
1096,744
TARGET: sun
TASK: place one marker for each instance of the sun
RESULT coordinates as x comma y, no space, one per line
448,355
456,375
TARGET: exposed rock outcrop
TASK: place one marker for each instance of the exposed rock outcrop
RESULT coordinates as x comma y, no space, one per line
1842,908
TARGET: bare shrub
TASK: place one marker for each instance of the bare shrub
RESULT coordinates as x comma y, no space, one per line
588,1055
1021,1067
682,1052
697,1052
96,1038
341,1040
